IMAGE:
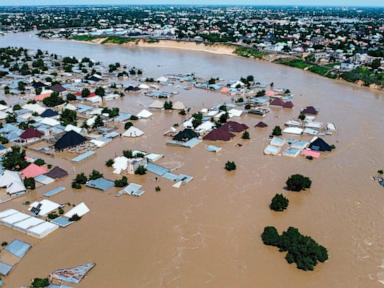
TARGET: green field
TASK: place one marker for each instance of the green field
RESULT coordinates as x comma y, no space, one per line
249,52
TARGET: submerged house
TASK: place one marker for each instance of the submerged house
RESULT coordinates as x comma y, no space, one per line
12,182
31,135
68,140
232,126
133,132
185,135
320,145
49,113
261,125
219,134
310,110
57,173
33,170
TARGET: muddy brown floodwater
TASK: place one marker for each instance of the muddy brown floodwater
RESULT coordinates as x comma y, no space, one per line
207,233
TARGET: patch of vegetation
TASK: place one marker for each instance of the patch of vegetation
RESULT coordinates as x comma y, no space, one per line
128,125
39,162
113,112
40,283
53,100
197,119
95,175
68,117
75,217
368,76
301,250
118,40
230,166
84,37
15,159
52,215
246,135
30,183
121,182
279,203
249,52
109,163
168,105
323,70
298,183
141,170
277,131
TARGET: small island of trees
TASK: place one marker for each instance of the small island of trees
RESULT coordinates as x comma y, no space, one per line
298,183
301,250
279,203
230,166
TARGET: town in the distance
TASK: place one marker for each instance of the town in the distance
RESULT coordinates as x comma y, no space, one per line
191,146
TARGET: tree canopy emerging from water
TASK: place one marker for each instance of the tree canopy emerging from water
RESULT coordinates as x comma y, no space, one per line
298,182
279,203
302,250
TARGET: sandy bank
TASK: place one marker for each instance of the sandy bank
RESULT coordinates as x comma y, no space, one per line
184,45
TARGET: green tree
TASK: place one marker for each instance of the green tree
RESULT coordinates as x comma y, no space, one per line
121,182
230,166
279,203
141,170
95,175
109,163
85,92
15,159
276,131
246,135
39,162
81,178
298,183
68,117
128,125
30,183
270,236
40,283
98,122
100,91
168,105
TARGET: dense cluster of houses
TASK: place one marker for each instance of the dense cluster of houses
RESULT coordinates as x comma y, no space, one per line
347,37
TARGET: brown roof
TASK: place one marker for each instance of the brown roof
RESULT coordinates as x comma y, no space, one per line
261,125
219,134
56,173
31,133
288,104
310,110
232,126
277,102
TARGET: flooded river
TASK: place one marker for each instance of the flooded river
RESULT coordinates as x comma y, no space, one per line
207,233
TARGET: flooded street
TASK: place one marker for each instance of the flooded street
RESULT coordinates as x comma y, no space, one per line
207,233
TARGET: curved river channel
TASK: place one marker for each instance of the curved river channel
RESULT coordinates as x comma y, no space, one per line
207,233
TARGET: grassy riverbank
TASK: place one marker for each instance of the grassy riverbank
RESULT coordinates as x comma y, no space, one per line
363,76
249,52
326,70
104,40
